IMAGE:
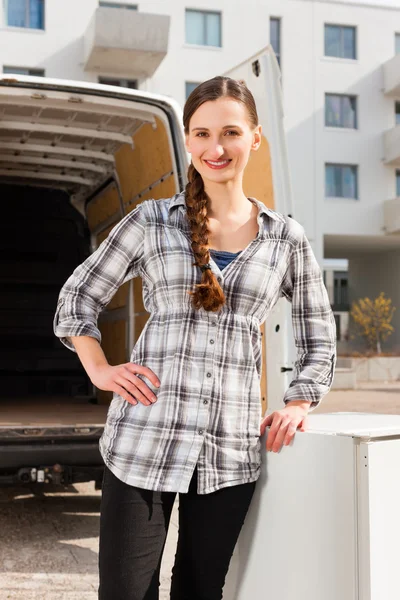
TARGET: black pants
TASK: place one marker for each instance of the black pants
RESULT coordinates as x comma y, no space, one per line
133,528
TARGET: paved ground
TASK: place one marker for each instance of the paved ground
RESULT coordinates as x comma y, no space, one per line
48,542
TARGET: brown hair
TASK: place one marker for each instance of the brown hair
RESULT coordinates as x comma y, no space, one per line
208,293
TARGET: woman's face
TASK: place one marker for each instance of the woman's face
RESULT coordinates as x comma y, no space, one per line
220,139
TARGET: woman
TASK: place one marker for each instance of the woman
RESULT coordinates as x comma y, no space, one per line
186,412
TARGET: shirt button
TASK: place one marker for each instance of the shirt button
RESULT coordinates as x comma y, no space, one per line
219,279
211,341
205,401
201,431
214,324
208,374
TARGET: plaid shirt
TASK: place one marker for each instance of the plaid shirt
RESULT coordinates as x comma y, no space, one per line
208,408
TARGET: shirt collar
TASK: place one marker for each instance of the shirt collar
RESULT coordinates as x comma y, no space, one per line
179,200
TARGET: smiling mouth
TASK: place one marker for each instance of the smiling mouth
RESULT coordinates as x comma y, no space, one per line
217,164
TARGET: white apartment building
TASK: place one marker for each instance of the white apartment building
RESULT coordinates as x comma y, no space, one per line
340,62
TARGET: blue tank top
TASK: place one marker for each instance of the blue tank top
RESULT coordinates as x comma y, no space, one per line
223,258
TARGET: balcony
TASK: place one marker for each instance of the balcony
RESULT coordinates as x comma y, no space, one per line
391,215
391,76
125,42
391,146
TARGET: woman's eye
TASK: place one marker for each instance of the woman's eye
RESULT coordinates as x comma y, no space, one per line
203,133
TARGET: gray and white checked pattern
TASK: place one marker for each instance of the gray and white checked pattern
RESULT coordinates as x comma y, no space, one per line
208,408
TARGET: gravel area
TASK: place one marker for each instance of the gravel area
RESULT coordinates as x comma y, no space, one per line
49,543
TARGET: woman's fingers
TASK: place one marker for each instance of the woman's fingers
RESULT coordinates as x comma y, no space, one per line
274,433
290,432
304,424
132,390
151,376
282,430
137,386
129,373
118,389
125,377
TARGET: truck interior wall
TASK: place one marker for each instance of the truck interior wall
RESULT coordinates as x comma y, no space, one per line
43,239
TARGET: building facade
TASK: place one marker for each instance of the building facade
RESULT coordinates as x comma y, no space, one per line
340,63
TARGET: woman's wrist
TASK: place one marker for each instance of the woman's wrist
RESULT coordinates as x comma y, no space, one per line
301,403
90,354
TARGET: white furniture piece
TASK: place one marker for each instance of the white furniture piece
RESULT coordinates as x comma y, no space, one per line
324,523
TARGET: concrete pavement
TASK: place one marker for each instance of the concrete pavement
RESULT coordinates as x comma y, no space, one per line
49,542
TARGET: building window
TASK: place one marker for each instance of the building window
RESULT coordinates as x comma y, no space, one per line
338,329
340,41
341,181
397,111
24,71
397,43
203,28
398,183
275,37
189,87
341,290
25,13
340,111
127,83
117,5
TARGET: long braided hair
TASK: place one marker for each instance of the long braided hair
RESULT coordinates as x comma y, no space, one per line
208,293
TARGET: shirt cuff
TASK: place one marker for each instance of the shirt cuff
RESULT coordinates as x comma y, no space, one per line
68,327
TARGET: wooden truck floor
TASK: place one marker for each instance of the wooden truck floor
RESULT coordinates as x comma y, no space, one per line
51,411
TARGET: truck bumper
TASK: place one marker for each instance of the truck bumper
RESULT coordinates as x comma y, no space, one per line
62,464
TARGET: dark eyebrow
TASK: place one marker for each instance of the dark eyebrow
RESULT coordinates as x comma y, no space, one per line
224,127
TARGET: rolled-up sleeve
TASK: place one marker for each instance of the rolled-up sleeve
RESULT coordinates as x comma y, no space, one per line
314,326
94,282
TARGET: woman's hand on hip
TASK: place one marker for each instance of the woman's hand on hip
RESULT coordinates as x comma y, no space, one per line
122,380
284,423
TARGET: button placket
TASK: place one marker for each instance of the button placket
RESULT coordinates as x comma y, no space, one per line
208,382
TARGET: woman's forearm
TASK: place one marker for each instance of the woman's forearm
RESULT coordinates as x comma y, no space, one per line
90,353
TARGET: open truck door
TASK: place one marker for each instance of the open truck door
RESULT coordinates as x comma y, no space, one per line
267,178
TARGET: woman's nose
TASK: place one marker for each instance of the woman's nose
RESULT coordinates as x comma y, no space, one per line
216,151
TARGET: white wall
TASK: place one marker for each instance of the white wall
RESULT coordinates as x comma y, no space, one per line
307,75
59,48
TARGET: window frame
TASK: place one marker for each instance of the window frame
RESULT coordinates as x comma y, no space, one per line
396,40
195,83
342,27
120,79
120,5
340,290
279,54
27,17
357,190
396,112
204,12
14,69
341,96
